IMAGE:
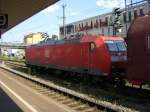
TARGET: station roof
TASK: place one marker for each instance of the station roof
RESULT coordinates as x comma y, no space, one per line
20,10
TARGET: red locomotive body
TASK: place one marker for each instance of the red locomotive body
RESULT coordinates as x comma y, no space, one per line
139,51
95,55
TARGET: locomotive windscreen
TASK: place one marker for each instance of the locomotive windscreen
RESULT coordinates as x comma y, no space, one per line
116,45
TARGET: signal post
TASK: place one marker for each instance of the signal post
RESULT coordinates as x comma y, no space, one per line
116,21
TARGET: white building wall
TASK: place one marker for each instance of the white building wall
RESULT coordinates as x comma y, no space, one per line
108,29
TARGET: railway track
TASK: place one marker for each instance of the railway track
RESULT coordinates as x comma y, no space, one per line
141,92
16,64
73,99
128,96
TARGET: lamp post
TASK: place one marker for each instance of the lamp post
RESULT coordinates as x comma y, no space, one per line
64,21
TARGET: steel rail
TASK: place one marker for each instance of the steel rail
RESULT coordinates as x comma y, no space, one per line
98,103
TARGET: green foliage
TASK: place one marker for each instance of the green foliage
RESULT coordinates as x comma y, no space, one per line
7,58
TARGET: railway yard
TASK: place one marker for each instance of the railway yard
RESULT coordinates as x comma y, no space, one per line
95,64
79,96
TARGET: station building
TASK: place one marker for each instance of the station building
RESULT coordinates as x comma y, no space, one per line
103,24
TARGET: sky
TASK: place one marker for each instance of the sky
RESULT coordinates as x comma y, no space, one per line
49,19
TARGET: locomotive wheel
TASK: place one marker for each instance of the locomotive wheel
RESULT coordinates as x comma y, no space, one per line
117,81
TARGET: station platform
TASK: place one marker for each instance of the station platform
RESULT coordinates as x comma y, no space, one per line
16,96
7,104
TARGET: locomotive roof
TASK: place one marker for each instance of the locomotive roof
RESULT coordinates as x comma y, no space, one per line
89,38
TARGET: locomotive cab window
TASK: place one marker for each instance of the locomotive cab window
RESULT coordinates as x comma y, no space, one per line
121,45
116,45
111,46
92,46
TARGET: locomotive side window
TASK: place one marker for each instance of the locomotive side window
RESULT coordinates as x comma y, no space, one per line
148,42
92,46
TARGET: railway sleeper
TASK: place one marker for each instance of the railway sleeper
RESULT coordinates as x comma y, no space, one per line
91,109
74,104
55,96
81,107
62,98
68,101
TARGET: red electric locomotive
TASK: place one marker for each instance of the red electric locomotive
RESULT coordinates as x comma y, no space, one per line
96,55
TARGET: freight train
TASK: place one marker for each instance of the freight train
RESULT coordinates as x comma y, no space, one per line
89,55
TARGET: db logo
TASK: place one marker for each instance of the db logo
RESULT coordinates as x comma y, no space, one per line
3,20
